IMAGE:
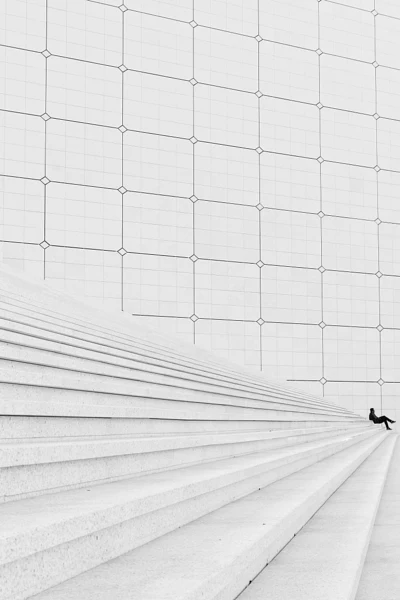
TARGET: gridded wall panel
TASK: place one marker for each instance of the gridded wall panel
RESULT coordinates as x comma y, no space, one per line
228,171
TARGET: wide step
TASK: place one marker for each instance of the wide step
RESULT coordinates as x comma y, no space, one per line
215,557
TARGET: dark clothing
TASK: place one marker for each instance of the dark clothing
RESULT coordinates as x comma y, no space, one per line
383,419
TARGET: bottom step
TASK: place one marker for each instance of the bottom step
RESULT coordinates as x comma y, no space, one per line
216,556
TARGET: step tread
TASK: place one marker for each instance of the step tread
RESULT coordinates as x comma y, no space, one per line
91,506
188,562
333,543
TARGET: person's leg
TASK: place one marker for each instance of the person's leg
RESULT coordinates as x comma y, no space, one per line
387,418
383,419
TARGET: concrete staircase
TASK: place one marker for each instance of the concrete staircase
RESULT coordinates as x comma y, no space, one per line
135,467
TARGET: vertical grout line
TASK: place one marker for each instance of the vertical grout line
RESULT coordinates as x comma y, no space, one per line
45,140
194,171
122,153
260,286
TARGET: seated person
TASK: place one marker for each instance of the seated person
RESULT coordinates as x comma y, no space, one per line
383,419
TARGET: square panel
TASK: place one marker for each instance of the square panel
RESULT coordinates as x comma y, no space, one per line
389,205
351,354
226,232
227,290
23,24
349,245
387,41
349,191
157,164
82,91
158,224
290,183
225,59
390,350
21,210
226,174
351,299
173,9
84,154
389,248
22,148
156,104
348,137
292,351
347,84
388,92
226,116
158,285
390,301
289,127
85,30
240,16
346,31
389,144
83,217
90,274
157,45
293,22
290,239
355,396
289,72
235,341
23,76
27,258
291,295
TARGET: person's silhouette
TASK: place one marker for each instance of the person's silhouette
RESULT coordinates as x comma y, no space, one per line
383,419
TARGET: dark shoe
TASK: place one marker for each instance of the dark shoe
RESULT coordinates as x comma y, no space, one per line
389,428
393,421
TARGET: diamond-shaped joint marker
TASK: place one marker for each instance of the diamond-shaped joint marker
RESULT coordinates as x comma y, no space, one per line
258,38
377,168
321,214
380,381
46,53
319,105
378,274
193,24
258,94
122,251
376,116
375,64
45,116
122,68
380,328
378,221
260,321
194,318
321,269
122,190
259,207
374,12
322,325
45,180
122,129
123,8
193,81
193,198
194,140
194,258
319,51
259,150
260,264
44,245
323,380
320,159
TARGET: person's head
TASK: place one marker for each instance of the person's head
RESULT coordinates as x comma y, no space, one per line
372,409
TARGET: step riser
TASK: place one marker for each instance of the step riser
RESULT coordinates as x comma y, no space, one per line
30,480
233,580
43,427
87,551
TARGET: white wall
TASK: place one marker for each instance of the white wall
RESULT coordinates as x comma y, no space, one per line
227,171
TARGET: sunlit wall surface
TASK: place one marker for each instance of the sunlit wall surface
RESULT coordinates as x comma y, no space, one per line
228,171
